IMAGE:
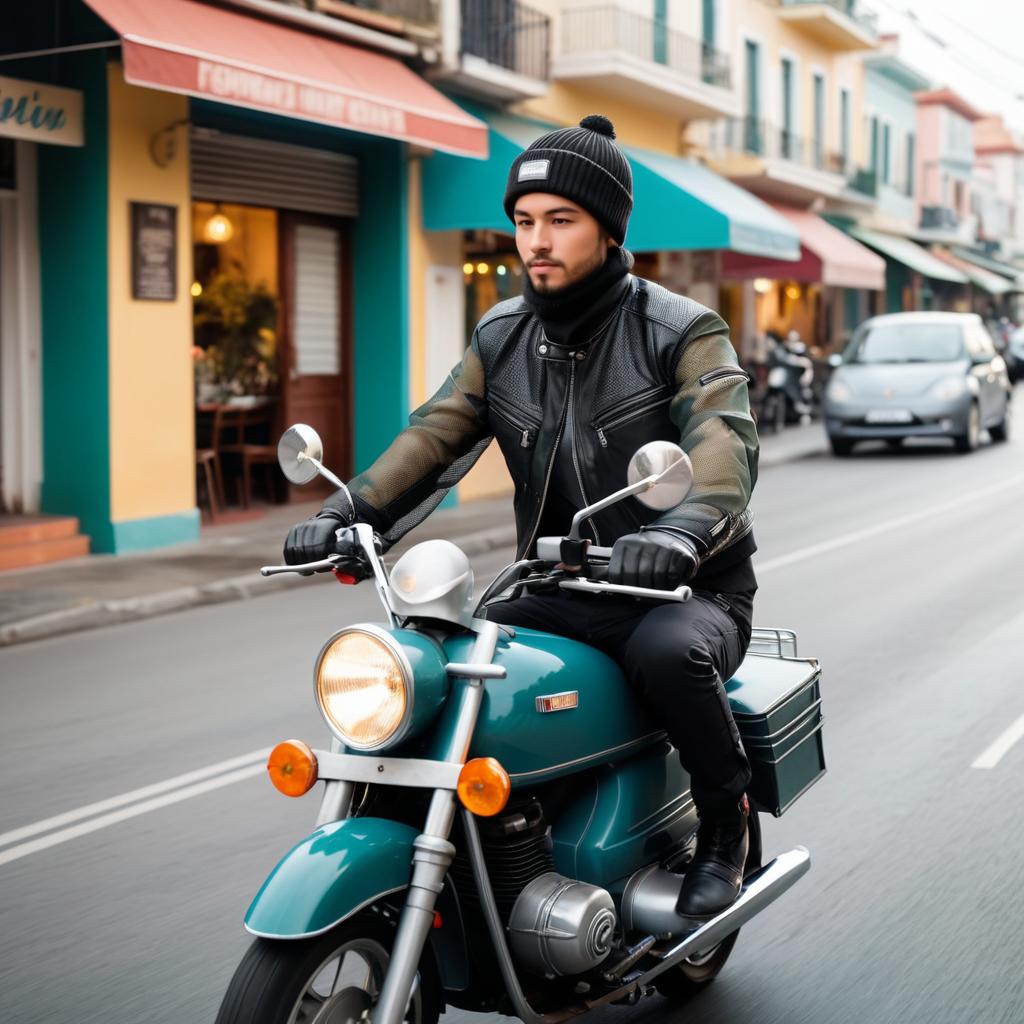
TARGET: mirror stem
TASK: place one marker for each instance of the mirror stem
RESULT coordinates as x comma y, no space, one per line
325,473
584,513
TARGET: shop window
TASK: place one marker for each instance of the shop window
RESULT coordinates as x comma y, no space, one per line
235,306
491,272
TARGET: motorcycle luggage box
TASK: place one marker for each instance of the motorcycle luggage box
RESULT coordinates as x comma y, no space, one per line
776,701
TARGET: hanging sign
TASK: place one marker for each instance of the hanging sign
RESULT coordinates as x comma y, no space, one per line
41,113
154,251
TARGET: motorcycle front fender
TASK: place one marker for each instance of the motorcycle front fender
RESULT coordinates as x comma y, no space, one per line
333,873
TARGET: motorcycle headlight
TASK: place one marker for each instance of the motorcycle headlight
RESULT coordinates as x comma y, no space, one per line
948,388
363,687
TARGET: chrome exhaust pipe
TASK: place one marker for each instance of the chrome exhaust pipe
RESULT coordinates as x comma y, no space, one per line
762,888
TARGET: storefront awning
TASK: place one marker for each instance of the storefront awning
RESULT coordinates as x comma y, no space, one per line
217,54
827,255
910,254
677,204
980,278
1014,274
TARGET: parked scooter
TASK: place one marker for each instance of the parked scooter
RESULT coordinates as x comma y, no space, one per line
502,826
789,395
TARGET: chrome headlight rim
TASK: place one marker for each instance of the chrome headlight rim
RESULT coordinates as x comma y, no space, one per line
381,634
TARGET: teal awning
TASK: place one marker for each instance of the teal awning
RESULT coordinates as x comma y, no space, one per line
909,253
677,204
1015,274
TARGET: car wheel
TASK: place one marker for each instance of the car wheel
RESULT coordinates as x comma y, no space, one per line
841,446
971,438
1001,431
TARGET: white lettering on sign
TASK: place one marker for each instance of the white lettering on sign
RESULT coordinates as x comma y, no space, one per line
251,87
40,112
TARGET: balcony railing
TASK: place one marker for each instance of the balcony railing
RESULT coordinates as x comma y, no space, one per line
863,180
424,12
853,9
508,34
939,218
608,27
752,135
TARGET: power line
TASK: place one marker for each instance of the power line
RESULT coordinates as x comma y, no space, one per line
965,60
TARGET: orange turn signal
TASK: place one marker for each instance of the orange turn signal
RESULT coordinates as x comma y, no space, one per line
292,768
484,786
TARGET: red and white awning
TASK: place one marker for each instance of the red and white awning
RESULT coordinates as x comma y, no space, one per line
222,55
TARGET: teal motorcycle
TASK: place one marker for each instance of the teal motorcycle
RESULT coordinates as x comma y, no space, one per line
502,826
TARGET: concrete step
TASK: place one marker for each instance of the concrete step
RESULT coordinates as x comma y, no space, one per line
35,540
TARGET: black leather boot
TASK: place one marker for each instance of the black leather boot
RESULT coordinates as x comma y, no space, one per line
713,880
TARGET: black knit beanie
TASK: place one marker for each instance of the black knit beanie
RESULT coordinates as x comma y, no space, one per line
582,164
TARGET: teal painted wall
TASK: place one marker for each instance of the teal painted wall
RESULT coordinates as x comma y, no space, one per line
380,249
73,271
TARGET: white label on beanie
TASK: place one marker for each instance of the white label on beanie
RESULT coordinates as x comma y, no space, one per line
530,169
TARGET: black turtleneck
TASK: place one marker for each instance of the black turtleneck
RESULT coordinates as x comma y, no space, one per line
571,314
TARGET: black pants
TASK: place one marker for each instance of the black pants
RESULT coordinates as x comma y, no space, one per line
677,656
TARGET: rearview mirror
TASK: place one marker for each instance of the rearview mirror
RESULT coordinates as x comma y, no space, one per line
299,452
673,469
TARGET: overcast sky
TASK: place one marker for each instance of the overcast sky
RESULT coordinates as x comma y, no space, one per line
977,47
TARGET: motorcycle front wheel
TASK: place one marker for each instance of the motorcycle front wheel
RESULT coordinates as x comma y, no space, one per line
332,978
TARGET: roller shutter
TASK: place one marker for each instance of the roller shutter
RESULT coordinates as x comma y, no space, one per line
257,172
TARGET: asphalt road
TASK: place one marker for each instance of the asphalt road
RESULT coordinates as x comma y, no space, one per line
901,571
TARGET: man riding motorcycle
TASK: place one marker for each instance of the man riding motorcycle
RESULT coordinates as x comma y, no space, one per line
571,379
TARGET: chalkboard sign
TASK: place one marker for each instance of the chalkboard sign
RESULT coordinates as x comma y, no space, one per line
154,252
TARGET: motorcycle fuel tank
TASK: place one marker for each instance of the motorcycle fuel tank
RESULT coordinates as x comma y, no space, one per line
562,706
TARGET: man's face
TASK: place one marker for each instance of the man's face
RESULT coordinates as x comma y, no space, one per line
558,241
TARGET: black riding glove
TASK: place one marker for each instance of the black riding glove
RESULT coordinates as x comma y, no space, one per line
654,559
314,538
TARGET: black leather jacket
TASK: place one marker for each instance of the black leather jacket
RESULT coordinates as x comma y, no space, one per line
662,367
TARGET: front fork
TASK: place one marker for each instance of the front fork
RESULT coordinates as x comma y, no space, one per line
432,851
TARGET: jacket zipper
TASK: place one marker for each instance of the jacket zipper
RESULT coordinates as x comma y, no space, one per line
547,475
571,417
626,417
502,409
721,373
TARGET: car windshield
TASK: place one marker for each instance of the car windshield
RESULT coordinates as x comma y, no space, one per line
908,343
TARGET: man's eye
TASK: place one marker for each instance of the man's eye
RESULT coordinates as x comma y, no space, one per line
560,220
523,223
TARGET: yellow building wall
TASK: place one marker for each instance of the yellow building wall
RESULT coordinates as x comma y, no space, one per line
758,21
488,478
152,459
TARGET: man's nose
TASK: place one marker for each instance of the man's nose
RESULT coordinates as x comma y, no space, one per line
540,239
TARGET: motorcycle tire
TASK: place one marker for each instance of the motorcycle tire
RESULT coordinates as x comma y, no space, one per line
695,973
334,976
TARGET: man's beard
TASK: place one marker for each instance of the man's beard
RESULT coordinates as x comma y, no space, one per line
545,287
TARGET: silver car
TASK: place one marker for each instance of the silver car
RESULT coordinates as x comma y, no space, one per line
918,375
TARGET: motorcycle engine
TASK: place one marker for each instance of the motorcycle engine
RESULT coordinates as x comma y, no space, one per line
560,926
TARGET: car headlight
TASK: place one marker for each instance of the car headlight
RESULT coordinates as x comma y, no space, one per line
363,687
837,391
948,388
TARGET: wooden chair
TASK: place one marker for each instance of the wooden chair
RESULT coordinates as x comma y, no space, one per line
208,462
242,435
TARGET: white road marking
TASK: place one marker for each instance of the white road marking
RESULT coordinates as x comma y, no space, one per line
783,561
178,781
993,754
95,824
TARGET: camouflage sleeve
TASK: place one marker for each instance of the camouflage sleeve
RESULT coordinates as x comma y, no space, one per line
711,408
445,437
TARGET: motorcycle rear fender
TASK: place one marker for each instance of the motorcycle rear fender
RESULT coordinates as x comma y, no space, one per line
341,868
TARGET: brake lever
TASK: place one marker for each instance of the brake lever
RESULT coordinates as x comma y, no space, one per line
304,569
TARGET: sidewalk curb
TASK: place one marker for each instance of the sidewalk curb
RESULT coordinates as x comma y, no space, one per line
133,609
